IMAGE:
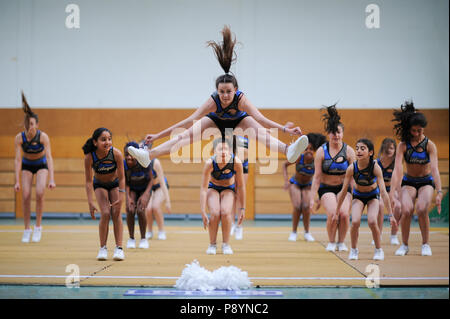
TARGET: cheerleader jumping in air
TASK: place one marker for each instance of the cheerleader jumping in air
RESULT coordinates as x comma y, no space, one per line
222,179
330,164
369,184
226,109
422,178
36,160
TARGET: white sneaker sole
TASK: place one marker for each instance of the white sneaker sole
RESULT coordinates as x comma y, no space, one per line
297,148
140,155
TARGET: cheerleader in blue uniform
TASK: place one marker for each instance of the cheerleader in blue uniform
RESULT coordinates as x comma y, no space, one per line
226,109
422,178
299,186
386,161
330,164
36,160
369,184
222,179
104,175
138,181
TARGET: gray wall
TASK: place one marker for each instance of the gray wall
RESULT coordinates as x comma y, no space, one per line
294,53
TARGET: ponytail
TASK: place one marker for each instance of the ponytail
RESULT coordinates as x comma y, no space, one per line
407,117
225,54
332,119
89,146
28,112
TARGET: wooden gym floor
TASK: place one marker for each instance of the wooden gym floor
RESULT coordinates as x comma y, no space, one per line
265,254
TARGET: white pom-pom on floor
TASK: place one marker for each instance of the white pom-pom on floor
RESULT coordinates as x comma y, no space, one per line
195,277
230,278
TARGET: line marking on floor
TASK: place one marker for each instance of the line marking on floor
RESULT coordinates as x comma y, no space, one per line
251,278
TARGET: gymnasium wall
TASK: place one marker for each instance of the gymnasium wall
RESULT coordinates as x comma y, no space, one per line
292,53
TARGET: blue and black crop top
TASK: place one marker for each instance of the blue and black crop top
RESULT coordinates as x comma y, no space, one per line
387,171
330,166
364,177
105,165
137,177
231,112
225,172
304,169
414,156
34,146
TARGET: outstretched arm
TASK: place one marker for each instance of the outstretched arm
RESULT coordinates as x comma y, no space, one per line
247,106
208,106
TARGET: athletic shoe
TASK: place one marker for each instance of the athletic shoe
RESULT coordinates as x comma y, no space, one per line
379,254
162,235
143,243
309,237
140,155
353,254
233,227
297,148
226,249
131,243
426,250
102,253
148,235
331,247
292,236
394,240
239,233
372,242
402,251
341,247
26,236
118,254
37,234
211,250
